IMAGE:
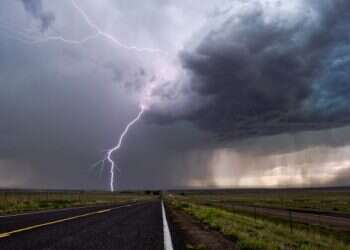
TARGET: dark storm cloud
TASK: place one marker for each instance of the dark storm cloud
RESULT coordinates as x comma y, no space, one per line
35,8
266,74
56,119
62,105
289,143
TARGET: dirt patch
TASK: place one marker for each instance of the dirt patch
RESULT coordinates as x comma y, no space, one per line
195,235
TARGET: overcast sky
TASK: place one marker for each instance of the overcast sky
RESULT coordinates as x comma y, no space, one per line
236,93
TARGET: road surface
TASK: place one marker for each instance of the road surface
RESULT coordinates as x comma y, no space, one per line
132,226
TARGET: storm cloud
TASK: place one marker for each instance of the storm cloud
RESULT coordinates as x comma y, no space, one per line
36,9
256,74
272,67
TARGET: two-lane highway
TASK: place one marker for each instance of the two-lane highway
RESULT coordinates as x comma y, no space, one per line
131,226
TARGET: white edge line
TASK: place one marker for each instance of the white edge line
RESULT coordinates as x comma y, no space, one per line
168,244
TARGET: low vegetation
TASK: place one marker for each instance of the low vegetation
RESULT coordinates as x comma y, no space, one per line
324,200
257,233
23,201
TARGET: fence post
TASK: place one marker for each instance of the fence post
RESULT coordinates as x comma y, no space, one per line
319,217
5,198
255,213
290,220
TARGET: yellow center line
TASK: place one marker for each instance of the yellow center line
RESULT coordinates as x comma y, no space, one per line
7,234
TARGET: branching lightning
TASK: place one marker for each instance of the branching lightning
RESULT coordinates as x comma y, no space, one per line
99,33
65,40
120,142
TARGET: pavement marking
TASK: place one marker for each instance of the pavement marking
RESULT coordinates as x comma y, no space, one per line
7,234
168,244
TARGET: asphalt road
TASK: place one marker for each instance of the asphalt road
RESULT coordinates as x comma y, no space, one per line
132,226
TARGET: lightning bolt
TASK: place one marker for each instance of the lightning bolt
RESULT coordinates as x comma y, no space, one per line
120,142
99,33
65,40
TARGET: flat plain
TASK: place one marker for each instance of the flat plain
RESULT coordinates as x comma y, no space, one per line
313,218
21,201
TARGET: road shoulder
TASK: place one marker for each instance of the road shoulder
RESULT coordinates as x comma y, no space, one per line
190,234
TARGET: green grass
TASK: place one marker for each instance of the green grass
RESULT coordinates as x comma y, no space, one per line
19,202
258,234
15,207
306,199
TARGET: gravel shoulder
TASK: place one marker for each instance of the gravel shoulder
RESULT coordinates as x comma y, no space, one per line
190,234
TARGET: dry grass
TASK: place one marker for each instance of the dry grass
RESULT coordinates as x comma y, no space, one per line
22,201
251,233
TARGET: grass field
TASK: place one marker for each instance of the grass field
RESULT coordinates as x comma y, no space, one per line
257,233
22,201
323,199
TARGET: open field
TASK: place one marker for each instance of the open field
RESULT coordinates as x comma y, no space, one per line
272,218
19,201
250,232
327,200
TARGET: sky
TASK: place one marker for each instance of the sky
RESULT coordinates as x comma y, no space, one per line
235,93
